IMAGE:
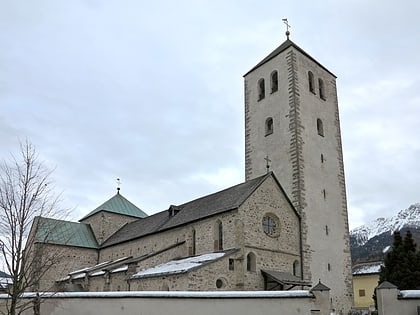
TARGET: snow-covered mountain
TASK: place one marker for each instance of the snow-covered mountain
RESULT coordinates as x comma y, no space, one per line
371,239
405,218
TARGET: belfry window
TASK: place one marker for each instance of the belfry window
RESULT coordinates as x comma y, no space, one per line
268,126
320,127
261,89
274,81
321,89
311,82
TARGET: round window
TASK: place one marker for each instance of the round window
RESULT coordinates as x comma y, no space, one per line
271,225
219,283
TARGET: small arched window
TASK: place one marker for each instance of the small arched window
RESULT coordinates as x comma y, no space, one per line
320,127
321,89
251,262
218,236
261,89
311,82
274,81
268,126
296,268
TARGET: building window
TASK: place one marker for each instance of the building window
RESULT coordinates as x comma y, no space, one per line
321,89
193,242
268,126
220,283
320,127
218,236
362,292
261,89
274,81
296,268
271,225
324,193
231,264
251,262
322,158
329,267
311,82
326,230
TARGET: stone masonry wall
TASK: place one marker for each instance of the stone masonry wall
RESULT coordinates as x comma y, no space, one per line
105,223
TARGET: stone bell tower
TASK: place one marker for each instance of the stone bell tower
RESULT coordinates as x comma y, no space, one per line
292,123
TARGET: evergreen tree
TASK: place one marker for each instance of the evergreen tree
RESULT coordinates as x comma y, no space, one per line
402,264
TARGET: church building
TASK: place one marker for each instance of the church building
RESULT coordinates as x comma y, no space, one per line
284,228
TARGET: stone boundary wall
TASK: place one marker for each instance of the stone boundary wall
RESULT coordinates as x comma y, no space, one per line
198,303
392,301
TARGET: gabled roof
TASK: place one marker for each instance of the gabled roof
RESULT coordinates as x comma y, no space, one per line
225,200
288,43
119,205
60,232
387,285
284,278
182,265
368,268
320,287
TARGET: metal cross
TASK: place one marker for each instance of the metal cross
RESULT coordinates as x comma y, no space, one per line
267,165
287,27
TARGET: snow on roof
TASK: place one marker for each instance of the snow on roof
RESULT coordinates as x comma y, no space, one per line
97,273
367,268
63,279
4,282
178,266
120,269
410,294
172,294
97,266
80,276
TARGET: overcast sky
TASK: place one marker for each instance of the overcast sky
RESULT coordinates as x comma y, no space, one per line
152,92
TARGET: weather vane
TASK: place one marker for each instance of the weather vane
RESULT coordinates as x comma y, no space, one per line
118,185
287,27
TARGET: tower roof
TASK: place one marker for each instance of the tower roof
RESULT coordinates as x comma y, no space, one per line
119,205
286,44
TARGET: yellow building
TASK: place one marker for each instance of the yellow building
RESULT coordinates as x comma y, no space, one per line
365,280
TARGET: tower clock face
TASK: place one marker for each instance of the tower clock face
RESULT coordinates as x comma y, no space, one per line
270,224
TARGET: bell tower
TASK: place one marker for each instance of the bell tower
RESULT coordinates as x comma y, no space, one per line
292,120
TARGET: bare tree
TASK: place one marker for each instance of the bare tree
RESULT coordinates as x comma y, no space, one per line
25,195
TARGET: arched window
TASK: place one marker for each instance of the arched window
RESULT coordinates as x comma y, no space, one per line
320,127
311,82
261,89
321,89
274,81
296,268
268,126
218,236
251,262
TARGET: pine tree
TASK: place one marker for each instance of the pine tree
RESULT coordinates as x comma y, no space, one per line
402,264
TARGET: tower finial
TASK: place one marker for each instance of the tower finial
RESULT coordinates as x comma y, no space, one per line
268,164
287,27
118,185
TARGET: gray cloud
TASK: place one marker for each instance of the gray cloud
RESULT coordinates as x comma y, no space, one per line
153,93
